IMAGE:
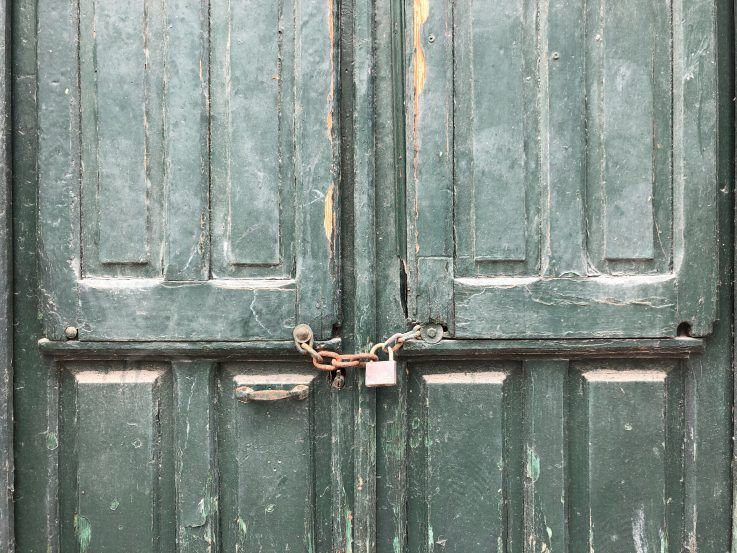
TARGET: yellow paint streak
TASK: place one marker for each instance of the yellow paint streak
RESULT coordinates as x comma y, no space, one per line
421,11
328,218
331,91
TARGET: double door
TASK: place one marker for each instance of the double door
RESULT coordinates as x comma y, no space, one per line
546,182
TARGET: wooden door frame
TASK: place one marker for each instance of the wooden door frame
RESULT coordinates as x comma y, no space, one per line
6,288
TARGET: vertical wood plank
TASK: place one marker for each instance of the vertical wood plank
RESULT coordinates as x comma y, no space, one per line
563,138
58,162
429,146
195,473
31,376
316,162
695,159
187,150
545,487
358,200
7,536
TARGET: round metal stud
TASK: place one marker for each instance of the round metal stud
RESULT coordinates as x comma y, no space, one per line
431,333
71,332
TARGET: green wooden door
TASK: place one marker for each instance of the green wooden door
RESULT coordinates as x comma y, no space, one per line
549,181
565,187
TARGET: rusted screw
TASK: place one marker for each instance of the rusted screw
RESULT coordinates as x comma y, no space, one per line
71,332
302,333
338,380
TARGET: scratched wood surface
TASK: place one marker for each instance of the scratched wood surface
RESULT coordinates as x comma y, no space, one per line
552,149
188,166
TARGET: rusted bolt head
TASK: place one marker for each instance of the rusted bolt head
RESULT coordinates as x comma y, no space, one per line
71,332
302,333
432,332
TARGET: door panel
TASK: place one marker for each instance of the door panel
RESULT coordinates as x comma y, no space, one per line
273,463
452,413
545,453
115,458
187,169
150,454
551,151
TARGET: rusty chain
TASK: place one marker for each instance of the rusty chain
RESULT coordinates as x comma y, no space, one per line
352,360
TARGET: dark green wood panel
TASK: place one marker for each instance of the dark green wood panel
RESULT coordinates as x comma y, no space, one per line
269,462
629,136
565,188
626,445
149,310
543,455
121,84
125,111
253,118
611,306
116,485
463,492
496,65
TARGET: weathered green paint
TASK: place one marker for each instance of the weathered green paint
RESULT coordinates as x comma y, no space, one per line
137,237
537,445
6,285
196,474
542,197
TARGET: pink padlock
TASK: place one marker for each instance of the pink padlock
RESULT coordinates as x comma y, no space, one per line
382,373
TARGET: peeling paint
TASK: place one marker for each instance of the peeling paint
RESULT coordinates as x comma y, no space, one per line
533,464
83,531
328,220
348,532
638,531
242,527
421,9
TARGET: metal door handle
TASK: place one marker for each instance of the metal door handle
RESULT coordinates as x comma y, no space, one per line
247,394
